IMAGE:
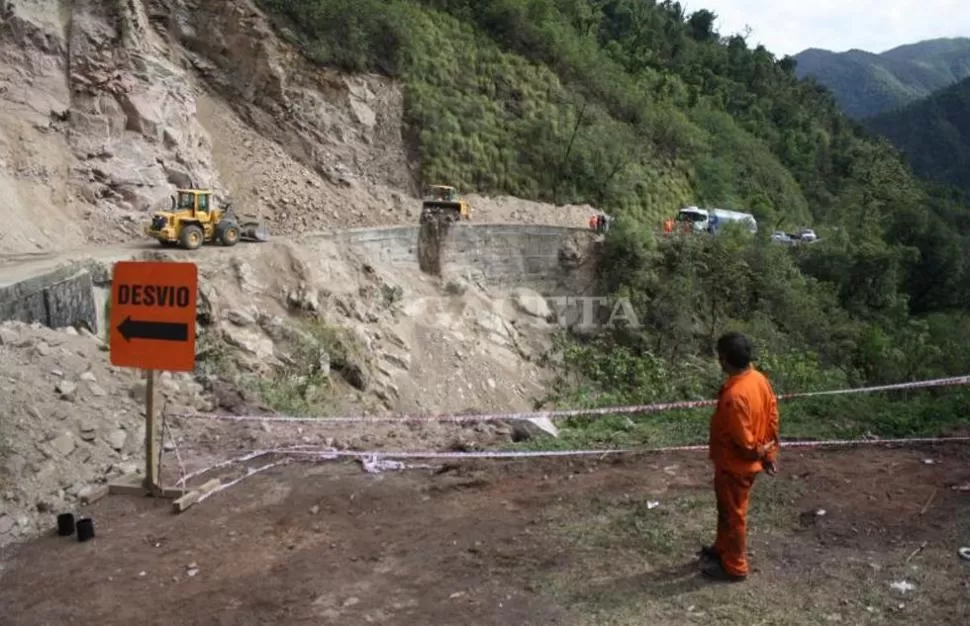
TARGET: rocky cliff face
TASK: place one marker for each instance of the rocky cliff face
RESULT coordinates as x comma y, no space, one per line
107,106
104,120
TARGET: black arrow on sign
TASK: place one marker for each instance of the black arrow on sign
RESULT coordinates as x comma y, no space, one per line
164,331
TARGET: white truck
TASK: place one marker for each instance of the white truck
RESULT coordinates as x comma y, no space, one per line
711,220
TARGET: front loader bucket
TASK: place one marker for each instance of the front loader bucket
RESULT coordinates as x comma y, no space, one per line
440,208
253,231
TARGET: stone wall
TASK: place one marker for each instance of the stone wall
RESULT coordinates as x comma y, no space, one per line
62,297
551,260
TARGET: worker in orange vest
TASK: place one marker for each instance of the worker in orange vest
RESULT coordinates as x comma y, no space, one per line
744,442
669,225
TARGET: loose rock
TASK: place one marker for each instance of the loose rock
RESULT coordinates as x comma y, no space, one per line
66,389
63,444
117,439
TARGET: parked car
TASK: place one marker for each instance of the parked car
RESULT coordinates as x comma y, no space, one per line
807,234
780,236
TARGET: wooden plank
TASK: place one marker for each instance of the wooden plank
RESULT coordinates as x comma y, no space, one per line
96,494
151,439
127,489
192,497
136,487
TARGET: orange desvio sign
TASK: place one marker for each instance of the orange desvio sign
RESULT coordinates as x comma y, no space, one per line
152,322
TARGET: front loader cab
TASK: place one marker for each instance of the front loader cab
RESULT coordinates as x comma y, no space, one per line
195,200
193,218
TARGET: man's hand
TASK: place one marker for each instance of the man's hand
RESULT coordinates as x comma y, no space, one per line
771,467
765,449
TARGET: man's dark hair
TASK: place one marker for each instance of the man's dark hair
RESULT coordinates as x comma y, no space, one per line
735,349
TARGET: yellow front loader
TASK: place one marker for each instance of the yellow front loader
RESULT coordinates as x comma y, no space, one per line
193,220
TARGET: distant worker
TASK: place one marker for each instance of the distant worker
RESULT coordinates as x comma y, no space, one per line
593,221
669,225
743,442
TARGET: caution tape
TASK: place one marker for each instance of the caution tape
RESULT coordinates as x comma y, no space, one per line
235,482
562,413
374,457
333,453
252,454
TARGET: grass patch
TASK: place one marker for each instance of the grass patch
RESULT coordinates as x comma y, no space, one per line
315,351
213,356
920,413
628,560
312,354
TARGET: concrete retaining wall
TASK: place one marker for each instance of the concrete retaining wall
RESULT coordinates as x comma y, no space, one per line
551,260
62,297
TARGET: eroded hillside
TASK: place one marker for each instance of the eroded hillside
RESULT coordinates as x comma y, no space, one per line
106,107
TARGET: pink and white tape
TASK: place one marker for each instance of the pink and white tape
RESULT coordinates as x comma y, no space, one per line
562,413
334,454
531,454
374,456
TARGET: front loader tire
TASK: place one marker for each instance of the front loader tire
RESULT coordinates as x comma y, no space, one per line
229,234
191,237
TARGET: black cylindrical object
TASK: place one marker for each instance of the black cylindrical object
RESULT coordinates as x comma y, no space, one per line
85,529
65,524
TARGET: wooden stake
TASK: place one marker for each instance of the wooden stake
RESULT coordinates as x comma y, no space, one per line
192,497
151,441
150,484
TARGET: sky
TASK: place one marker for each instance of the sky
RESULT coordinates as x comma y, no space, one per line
790,26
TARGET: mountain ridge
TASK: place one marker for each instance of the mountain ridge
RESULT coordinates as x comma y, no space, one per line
934,134
866,83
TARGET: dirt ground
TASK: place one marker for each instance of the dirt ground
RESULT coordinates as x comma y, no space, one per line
531,542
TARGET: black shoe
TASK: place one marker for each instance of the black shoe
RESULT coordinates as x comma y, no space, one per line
716,572
708,552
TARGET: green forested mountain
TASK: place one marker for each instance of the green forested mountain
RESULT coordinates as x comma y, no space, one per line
641,108
934,134
866,84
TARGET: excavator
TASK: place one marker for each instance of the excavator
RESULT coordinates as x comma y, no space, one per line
444,201
193,220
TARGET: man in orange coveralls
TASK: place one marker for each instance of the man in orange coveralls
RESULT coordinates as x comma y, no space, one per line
743,442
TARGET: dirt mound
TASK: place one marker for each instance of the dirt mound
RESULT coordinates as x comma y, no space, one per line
312,329
70,421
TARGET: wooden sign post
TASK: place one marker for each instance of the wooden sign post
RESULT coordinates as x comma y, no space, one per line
152,327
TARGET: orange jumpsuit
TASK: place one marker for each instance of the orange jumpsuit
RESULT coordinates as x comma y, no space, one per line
744,432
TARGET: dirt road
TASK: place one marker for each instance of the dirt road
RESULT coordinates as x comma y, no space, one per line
519,543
